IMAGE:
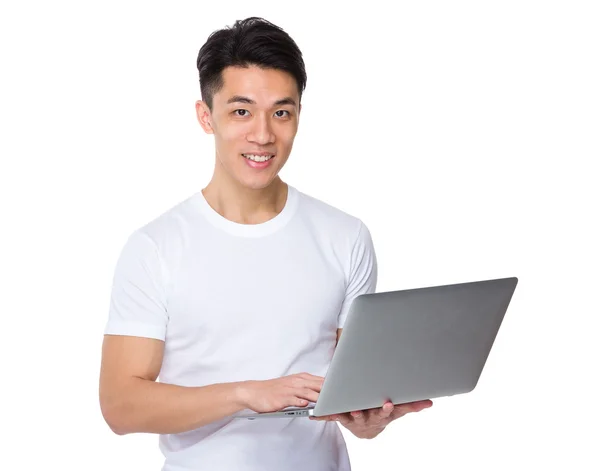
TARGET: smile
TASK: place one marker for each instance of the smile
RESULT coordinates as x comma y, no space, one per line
258,158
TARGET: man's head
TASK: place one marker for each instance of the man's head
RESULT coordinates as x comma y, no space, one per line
252,77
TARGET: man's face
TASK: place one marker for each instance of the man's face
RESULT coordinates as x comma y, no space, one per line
255,116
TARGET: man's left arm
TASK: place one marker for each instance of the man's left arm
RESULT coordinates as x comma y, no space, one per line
363,279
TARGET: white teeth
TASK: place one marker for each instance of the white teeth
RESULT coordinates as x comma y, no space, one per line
258,158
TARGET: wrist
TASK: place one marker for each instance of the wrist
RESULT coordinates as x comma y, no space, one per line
241,394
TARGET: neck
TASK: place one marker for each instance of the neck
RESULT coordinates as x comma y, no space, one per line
246,205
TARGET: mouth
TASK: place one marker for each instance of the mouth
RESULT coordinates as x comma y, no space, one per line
259,158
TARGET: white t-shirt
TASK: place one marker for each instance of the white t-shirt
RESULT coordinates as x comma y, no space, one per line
236,302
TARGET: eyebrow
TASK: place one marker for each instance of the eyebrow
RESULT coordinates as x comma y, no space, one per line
242,99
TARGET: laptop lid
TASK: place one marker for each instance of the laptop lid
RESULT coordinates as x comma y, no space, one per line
414,344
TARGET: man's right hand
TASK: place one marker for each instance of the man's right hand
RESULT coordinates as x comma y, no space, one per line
276,394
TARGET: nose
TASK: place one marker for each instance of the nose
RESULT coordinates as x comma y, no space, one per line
261,132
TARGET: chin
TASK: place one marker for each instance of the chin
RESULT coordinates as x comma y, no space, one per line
256,183
257,180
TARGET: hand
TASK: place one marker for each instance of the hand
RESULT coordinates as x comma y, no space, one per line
371,422
276,394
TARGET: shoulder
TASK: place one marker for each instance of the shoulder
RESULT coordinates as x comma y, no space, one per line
168,232
330,219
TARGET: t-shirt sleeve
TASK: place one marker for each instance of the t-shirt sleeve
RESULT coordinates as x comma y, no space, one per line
363,271
138,305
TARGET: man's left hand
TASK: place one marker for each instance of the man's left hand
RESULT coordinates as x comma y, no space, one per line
371,422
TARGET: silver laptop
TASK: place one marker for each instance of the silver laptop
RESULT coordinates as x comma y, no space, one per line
410,345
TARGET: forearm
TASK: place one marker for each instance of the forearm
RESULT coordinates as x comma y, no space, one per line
153,407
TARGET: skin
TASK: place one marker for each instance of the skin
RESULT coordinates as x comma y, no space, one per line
266,119
371,422
238,192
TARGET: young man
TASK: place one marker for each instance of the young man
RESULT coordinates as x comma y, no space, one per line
237,296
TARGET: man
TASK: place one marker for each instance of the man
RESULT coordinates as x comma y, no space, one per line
237,296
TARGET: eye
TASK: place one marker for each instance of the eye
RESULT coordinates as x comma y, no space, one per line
282,111
236,112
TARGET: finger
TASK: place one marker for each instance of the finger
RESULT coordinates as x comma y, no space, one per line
295,401
359,416
328,418
419,405
309,377
311,384
344,419
386,410
403,409
304,381
308,394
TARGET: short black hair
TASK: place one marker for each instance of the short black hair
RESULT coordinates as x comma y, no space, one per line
253,41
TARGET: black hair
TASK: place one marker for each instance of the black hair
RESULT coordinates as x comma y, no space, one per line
253,41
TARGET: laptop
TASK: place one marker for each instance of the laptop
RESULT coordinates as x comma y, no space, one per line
409,345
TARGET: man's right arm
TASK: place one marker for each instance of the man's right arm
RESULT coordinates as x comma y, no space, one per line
132,401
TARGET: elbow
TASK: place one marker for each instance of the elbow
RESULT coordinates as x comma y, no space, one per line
117,428
114,416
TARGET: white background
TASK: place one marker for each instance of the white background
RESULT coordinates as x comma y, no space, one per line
464,134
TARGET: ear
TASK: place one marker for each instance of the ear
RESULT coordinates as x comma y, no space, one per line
204,116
